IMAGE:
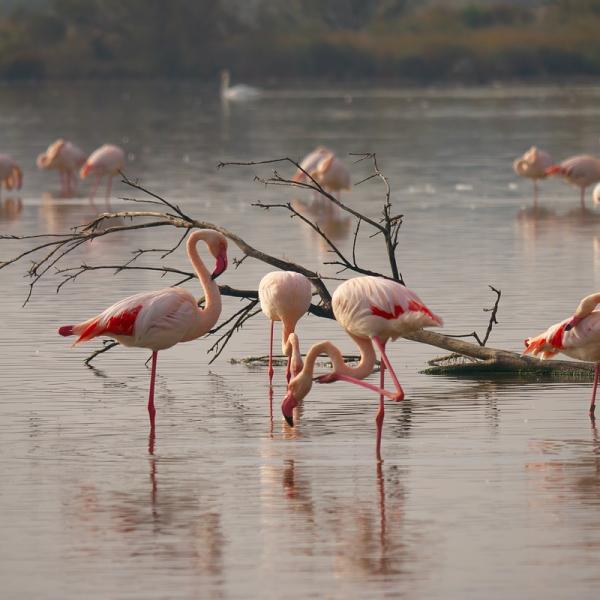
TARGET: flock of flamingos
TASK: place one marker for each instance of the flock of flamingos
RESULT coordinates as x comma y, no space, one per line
372,310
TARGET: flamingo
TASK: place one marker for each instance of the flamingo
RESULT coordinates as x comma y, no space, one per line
577,337
533,164
66,158
107,160
160,319
326,169
10,173
371,310
285,296
241,91
581,171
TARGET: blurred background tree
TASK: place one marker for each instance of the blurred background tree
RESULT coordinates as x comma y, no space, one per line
415,40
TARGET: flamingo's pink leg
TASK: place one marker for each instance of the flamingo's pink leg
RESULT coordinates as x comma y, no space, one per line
61,174
535,192
271,354
386,360
109,187
381,411
362,383
94,188
151,409
582,197
593,403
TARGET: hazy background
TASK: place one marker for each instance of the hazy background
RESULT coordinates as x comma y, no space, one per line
422,41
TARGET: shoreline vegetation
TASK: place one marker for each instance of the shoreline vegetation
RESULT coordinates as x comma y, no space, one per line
426,42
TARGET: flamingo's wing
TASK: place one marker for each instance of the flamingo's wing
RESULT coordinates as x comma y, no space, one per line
550,342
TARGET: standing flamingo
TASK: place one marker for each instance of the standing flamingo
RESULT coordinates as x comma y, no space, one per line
107,160
285,296
10,173
370,309
577,337
160,319
581,171
533,164
326,169
66,158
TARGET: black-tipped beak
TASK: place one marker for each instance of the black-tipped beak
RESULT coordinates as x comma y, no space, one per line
289,420
220,266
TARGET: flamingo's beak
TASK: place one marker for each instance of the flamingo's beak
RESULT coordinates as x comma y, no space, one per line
287,408
220,266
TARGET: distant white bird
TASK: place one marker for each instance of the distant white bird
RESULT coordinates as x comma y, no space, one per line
107,160
66,158
533,164
11,175
596,194
240,92
326,169
582,171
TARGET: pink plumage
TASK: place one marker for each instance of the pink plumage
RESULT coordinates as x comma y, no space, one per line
326,169
372,310
11,175
577,337
106,161
580,171
285,296
160,319
64,157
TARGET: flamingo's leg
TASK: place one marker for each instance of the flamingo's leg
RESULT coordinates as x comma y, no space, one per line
381,346
582,197
381,411
151,409
593,403
109,187
94,188
271,355
61,174
335,377
535,192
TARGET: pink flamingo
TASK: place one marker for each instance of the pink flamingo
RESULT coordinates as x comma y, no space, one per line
285,296
107,160
326,169
160,319
581,171
533,164
10,173
66,158
577,337
371,310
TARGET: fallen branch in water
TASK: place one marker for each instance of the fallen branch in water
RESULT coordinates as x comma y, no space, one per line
51,251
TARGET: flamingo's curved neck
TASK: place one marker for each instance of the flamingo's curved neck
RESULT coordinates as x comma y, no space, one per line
587,305
363,369
212,309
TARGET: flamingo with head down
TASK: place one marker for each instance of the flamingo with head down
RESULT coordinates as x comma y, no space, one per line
580,171
326,169
106,161
372,310
11,175
577,337
66,158
533,165
285,296
160,319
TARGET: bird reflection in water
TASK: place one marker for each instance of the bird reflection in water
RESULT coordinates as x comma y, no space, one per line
11,208
331,220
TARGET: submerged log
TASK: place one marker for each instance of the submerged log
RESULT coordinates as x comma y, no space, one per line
485,360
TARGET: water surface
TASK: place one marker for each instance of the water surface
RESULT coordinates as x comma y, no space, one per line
488,489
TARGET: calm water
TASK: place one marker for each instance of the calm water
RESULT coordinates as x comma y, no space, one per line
489,488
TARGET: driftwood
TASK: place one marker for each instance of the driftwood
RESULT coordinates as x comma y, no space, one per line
50,251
